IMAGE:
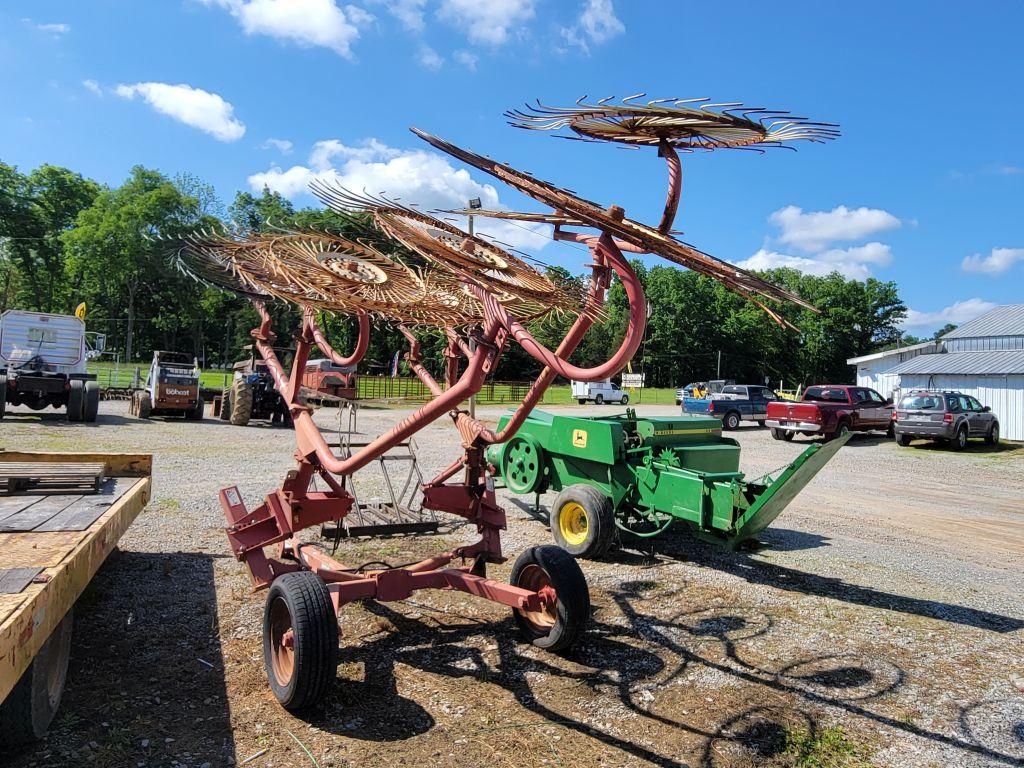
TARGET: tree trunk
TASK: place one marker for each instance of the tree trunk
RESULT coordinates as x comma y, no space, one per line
130,332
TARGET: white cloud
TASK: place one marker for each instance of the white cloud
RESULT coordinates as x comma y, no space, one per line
597,24
408,12
281,145
487,21
466,59
958,313
193,106
765,259
412,177
305,22
997,262
430,58
93,87
54,29
869,253
816,229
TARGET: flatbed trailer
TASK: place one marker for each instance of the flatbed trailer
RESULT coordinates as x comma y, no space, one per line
52,541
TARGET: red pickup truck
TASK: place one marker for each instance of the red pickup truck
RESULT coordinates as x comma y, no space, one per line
830,410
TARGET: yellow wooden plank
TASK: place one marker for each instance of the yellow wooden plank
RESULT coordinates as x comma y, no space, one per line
9,604
118,464
31,548
24,630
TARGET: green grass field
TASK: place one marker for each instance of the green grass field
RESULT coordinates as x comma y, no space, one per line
386,389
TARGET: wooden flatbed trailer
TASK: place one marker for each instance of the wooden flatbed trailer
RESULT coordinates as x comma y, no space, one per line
54,535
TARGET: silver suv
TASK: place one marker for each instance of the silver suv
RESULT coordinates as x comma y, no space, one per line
947,416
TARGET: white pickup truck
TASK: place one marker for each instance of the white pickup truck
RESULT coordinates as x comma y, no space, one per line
598,391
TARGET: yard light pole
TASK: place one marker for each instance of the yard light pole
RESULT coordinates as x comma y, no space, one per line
474,205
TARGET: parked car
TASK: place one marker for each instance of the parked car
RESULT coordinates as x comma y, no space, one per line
702,389
598,391
951,417
831,410
735,403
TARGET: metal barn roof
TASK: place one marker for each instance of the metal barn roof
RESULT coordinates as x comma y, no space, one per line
969,363
1007,320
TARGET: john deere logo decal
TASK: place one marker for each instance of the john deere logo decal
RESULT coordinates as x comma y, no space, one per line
579,438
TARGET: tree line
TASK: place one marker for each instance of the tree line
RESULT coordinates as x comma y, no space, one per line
65,239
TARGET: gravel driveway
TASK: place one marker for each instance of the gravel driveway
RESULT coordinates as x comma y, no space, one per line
882,626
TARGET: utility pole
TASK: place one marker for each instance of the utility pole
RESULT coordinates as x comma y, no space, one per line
474,205
718,370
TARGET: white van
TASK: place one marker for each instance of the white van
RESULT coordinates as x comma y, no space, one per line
598,391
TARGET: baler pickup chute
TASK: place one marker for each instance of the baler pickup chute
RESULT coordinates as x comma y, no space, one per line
648,474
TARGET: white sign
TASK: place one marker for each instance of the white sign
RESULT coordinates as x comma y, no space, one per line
632,380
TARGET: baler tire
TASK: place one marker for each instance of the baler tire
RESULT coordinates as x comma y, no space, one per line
3,396
91,409
76,400
959,441
301,676
599,521
731,421
782,434
145,406
224,414
992,438
903,440
560,626
29,708
241,403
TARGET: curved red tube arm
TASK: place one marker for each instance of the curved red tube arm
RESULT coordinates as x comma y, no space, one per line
675,186
321,341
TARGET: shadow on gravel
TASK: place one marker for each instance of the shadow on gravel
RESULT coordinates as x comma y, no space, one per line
635,658
146,678
685,548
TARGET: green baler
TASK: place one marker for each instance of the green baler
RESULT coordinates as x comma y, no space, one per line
641,475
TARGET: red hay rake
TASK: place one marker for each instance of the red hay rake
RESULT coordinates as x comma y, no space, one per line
414,270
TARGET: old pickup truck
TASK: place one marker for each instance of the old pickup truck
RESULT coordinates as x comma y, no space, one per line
831,410
735,403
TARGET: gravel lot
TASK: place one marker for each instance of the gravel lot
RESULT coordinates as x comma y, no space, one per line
888,605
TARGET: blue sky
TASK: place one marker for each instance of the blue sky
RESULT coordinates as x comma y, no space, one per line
925,187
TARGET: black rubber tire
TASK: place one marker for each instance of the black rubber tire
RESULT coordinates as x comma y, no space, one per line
3,396
76,400
599,400
600,521
224,414
196,414
304,596
959,441
241,403
731,421
573,597
891,431
624,400
29,708
145,405
903,440
91,409
581,401
992,438
782,434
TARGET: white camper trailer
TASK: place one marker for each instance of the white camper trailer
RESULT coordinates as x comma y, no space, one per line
42,363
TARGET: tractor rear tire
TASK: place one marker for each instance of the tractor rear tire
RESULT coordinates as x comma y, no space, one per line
196,414
3,396
224,414
582,521
782,434
92,401
557,626
302,667
76,400
241,403
29,708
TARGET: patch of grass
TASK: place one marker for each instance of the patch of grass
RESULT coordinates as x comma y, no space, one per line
825,748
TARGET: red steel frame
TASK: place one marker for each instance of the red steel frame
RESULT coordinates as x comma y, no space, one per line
294,506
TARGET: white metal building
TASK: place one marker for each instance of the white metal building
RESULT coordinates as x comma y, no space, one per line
983,358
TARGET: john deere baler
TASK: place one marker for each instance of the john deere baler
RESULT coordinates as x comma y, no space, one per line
641,475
